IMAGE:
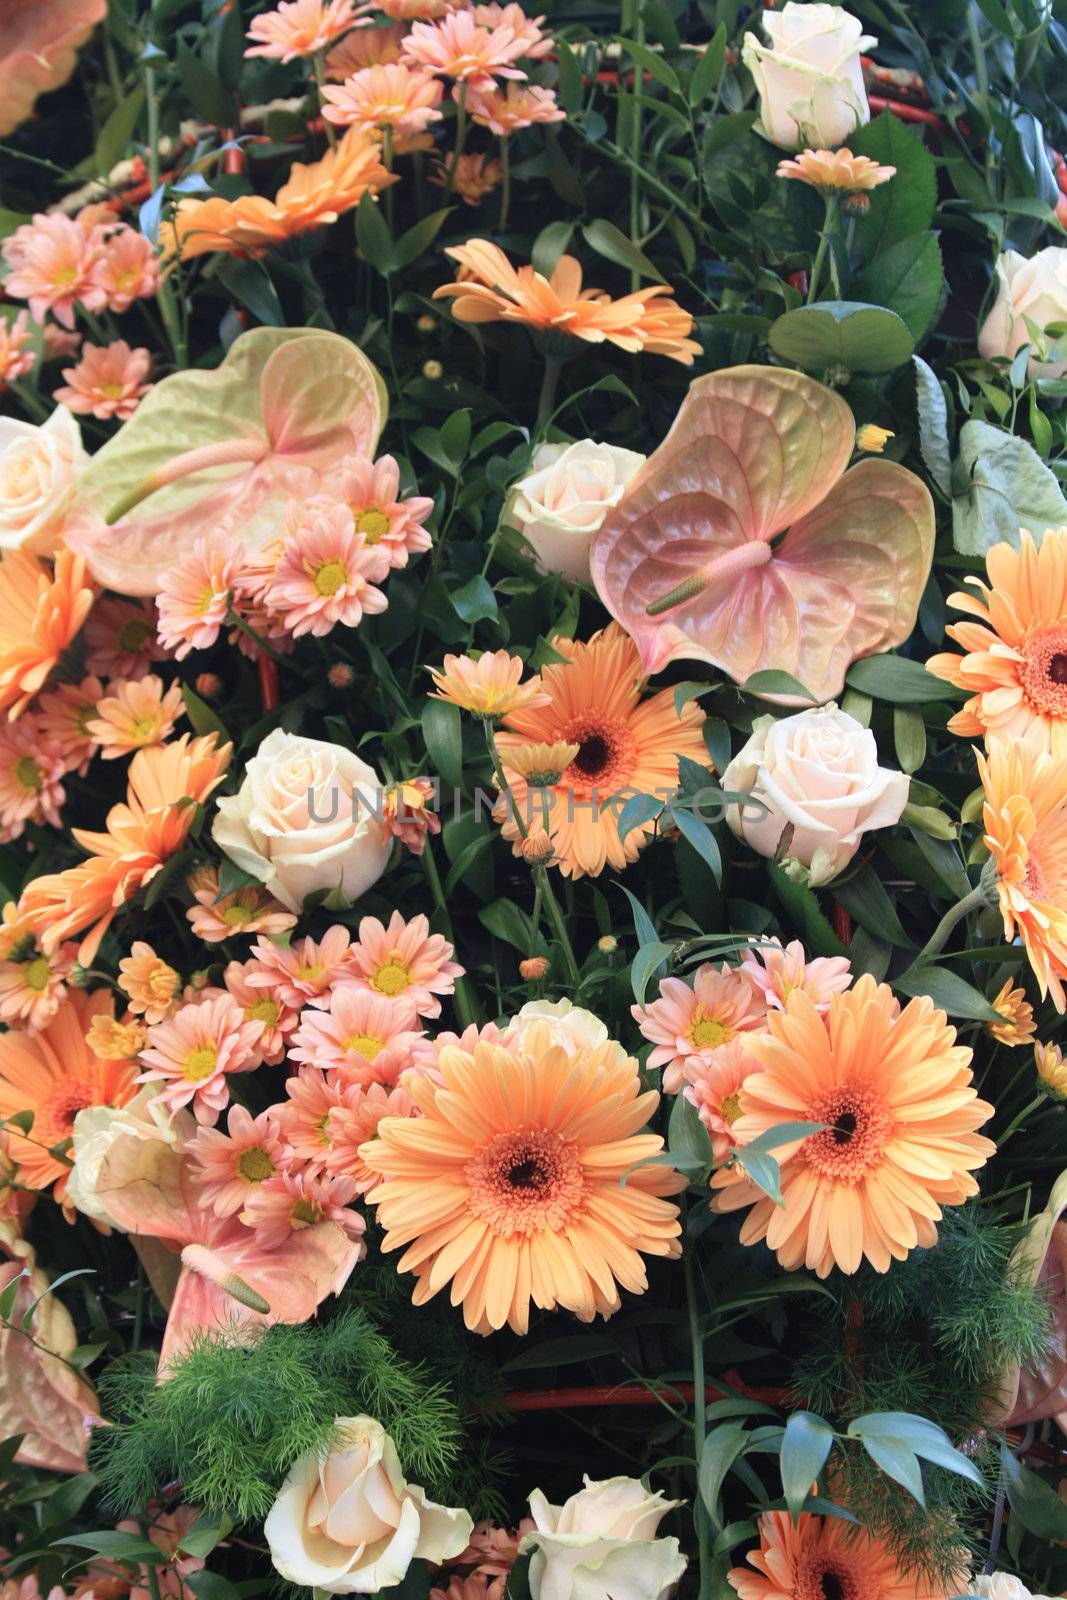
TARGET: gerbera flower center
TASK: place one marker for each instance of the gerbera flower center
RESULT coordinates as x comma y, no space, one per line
362,1044
55,1120
392,977
37,974
28,774
707,1033
255,1165
817,1580
200,1063
329,577
859,1126
265,1011
606,752
1044,672
373,523
525,1182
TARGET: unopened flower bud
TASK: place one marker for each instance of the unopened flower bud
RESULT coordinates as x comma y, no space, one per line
433,370
858,204
872,438
197,981
341,675
536,848
426,323
608,944
1051,1070
79,976
208,685
534,968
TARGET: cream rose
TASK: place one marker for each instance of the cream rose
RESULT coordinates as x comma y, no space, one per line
39,472
347,1523
568,1025
95,1131
818,774
809,77
561,503
1034,289
602,1545
1002,1586
307,817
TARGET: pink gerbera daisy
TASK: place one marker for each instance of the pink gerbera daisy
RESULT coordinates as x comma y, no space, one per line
292,1201
127,270
456,47
249,910
191,1053
371,491
52,261
697,1021
120,638
326,574
363,1036
403,961
777,972
303,973
136,712
713,1084
355,1120
232,1165
194,594
109,381
15,360
64,716
31,777
299,28
33,986
306,1118
258,1005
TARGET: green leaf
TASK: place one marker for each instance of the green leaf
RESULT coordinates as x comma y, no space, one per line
115,135
201,717
607,241
867,903
373,236
904,205
643,925
932,412
211,1586
468,856
637,810
474,600
688,1140
908,278
948,991
418,239
250,283
1001,485
771,684
205,1533
721,1449
806,1444
456,437
895,679
552,240
842,333
209,97
700,836
804,911
909,738
895,1440
442,732
561,1352
570,79
725,131
708,70
129,1547
653,64
67,1498
9,1293
648,963
1038,1507
505,920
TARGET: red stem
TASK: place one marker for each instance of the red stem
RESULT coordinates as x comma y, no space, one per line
623,1394
268,682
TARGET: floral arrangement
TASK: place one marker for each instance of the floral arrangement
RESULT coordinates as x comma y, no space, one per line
533,799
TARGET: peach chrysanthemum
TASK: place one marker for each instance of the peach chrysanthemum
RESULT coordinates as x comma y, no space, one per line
371,491
592,699
1015,665
365,46
508,1184
456,47
517,105
826,1556
378,97
490,289
127,269
403,961
1018,1026
59,344
326,574
355,1120
776,972
110,380
901,1141
836,171
299,28
291,1201
363,1036
15,360
249,910
55,1075
31,778
63,716
712,1084
418,10
44,608
409,813
277,1020
194,594
304,972
51,261
306,1117
135,713
33,986
230,1166
120,638
113,1040
1051,1070
149,983
476,176
535,42
697,1022
488,686
1025,820
191,1054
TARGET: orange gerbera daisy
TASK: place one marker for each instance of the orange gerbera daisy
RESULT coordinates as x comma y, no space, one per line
895,1089
55,1075
824,1557
1015,666
1025,818
490,289
625,745
508,1184
42,611
314,195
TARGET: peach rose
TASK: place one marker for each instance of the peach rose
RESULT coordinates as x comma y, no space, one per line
561,503
39,471
308,816
809,78
601,1544
347,1523
817,774
1034,290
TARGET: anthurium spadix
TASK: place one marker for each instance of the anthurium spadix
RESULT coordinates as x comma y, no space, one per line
744,542
229,447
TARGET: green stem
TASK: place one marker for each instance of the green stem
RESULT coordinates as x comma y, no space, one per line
387,163
28,398
696,1343
829,220
1017,1122
505,184
978,897
319,69
549,384
981,69
165,295
635,146
466,1005
461,136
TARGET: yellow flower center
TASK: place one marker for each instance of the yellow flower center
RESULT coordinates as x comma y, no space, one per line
255,1165
731,1107
329,577
205,602
363,1044
82,718
111,391
133,635
373,524
304,1214
263,1011
37,974
310,974
200,1063
237,915
29,775
393,977
144,729
706,1033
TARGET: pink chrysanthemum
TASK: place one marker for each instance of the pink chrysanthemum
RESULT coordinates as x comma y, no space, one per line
355,1120
474,1586
326,574
194,594
403,961
517,105
697,1021
192,1052
377,97
127,270
59,344
303,973
371,491
64,714
777,972
232,1165
135,713
536,43
109,381
278,1019
713,1084
299,28
245,911
456,47
52,261
15,360
31,777
365,46
33,988
409,812
120,638
291,1201
364,1037
306,1118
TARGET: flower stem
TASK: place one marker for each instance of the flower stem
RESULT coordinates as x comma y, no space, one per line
505,183
549,384
319,69
696,1343
1017,1122
635,147
28,398
466,1006
978,897
387,163
461,135
829,221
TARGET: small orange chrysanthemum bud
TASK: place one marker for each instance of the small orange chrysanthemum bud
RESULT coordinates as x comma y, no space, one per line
433,370
341,675
536,848
607,944
208,685
534,968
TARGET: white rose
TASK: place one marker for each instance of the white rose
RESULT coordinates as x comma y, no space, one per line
602,1545
818,773
39,472
94,1132
1001,1586
1036,289
809,78
307,817
347,1523
561,503
568,1025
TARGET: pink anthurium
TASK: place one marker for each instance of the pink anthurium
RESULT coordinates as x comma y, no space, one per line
1038,1390
228,1282
41,1396
743,541
227,448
